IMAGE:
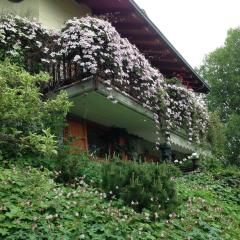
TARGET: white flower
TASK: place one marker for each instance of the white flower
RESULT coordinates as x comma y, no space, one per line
76,58
82,236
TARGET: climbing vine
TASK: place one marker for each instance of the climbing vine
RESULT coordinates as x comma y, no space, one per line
23,41
95,48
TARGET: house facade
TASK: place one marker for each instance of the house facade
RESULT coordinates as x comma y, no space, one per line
99,125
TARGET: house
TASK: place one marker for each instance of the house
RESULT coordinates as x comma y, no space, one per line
126,126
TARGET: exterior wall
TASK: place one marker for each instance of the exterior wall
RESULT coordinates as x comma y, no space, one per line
53,13
88,134
26,8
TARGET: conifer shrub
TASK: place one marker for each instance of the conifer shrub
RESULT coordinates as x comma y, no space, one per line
146,185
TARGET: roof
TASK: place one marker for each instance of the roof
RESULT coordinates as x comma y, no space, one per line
133,23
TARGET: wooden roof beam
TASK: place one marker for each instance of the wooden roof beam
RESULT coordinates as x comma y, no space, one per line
159,59
110,10
139,36
140,30
170,70
146,44
160,53
169,65
122,17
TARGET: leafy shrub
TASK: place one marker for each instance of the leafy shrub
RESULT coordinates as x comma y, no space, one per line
189,163
27,123
232,132
230,175
69,167
186,166
215,135
74,166
140,185
210,163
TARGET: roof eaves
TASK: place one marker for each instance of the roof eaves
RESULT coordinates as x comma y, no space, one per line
148,20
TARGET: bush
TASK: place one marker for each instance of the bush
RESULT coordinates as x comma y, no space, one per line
232,132
210,163
74,166
186,166
69,167
24,41
141,185
189,163
27,123
230,175
215,135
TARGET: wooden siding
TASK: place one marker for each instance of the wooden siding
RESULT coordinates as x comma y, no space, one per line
78,131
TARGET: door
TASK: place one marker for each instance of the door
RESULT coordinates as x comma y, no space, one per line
77,131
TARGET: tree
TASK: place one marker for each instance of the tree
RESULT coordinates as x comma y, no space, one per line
221,69
232,133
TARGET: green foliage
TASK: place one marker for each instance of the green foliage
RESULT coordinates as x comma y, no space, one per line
216,136
69,167
186,166
210,163
33,206
27,123
221,69
230,176
74,166
232,132
141,185
210,210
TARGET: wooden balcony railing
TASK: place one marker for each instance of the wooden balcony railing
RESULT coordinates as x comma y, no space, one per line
65,72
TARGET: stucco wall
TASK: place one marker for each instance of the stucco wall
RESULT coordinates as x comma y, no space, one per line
26,8
53,13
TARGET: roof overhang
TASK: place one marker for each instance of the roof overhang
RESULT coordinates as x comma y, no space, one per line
133,23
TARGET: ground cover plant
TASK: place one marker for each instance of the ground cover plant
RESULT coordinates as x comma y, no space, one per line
210,209
34,206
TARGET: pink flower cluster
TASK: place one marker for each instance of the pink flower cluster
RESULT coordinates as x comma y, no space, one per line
95,48
22,38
